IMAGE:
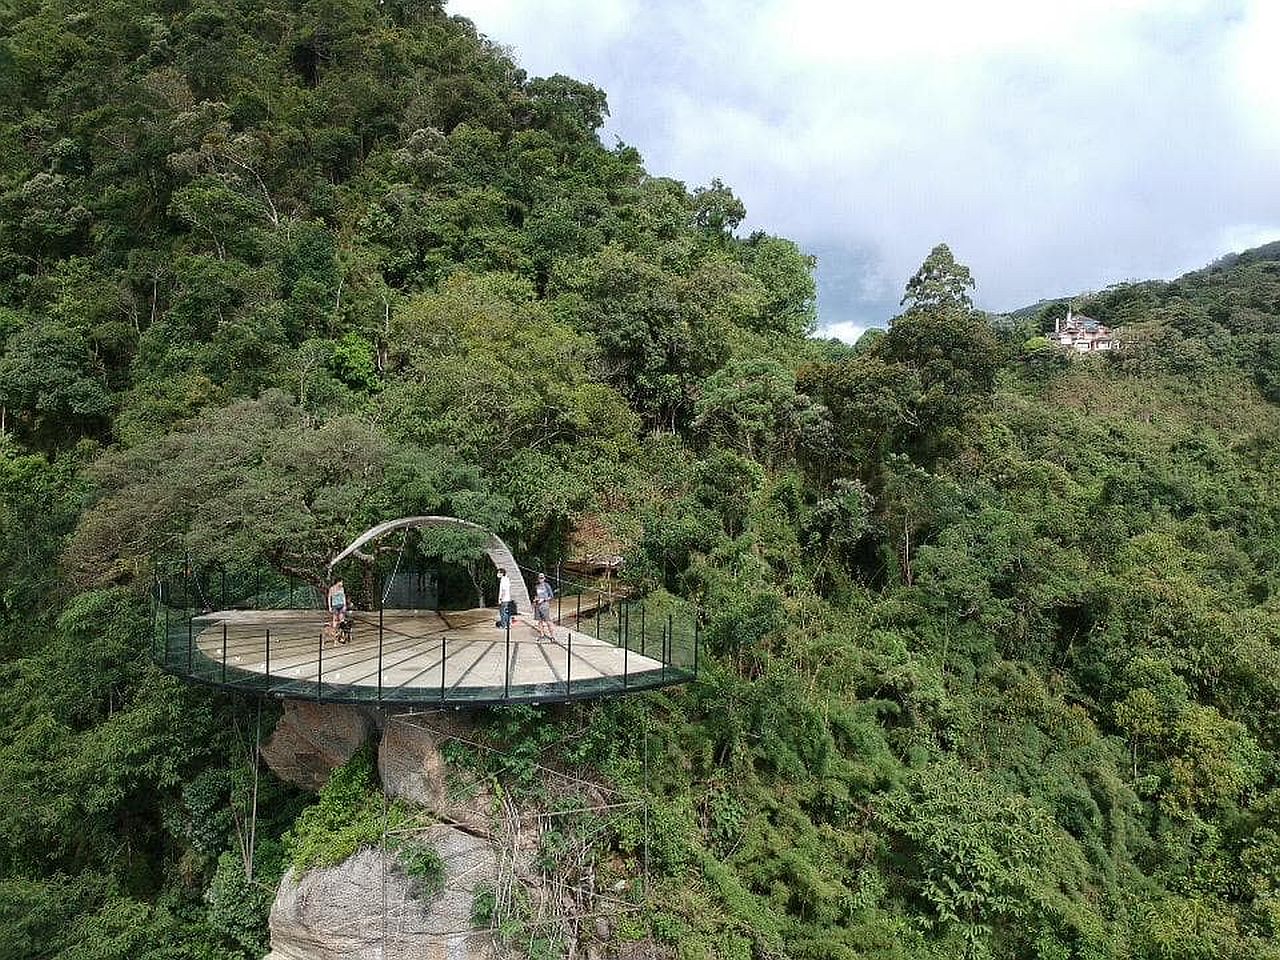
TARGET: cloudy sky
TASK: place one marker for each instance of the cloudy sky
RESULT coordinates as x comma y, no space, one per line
1057,146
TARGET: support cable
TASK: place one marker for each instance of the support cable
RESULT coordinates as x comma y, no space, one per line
382,850
391,580
257,763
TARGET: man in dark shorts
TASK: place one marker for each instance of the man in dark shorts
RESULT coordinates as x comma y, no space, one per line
542,597
337,604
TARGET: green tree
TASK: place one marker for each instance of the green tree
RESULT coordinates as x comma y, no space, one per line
786,273
716,210
568,109
948,346
941,283
52,387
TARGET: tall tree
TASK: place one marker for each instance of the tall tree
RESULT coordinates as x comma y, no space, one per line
947,345
941,283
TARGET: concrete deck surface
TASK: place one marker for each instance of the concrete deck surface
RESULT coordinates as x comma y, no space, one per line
461,652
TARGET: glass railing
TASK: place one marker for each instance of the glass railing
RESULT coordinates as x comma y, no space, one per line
262,633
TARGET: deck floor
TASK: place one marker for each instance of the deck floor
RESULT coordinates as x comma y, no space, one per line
460,654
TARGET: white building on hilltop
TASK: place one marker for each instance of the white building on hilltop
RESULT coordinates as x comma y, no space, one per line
1082,334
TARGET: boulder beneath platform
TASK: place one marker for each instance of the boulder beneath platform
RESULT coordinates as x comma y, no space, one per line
369,908
311,740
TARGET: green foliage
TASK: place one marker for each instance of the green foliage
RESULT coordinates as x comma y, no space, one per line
992,641
753,406
941,284
52,385
424,865
986,860
238,906
786,275
350,814
716,210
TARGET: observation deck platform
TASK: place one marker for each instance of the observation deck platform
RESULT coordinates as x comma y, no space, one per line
407,657
267,635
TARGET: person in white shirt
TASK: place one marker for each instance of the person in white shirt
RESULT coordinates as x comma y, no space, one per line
504,600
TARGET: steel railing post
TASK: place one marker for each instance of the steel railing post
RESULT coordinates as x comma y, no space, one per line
379,639
559,595
626,646
568,667
662,656
268,670
224,651
506,667
154,596
642,628
319,665
444,652
666,647
599,597
190,643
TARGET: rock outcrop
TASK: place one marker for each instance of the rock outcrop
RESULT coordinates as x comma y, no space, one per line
312,739
367,908
411,765
413,769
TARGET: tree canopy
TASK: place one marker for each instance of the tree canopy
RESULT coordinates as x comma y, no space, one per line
992,632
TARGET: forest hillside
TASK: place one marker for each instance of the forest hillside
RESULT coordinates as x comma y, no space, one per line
992,632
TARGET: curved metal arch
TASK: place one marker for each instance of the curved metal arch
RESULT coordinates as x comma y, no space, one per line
496,549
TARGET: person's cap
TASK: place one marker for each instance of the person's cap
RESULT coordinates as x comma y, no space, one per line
542,576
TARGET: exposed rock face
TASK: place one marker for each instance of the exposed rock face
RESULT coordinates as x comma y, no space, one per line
412,768
337,913
411,765
312,739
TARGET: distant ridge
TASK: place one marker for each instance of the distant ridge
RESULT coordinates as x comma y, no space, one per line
1268,251
1265,253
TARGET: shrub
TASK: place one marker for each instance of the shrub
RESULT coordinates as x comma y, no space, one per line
349,815
424,865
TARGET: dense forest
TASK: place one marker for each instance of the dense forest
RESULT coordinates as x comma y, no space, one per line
993,632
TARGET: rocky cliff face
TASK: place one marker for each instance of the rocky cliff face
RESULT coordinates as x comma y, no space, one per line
367,907
413,769
311,739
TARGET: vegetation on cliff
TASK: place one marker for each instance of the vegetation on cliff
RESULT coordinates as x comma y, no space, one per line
995,634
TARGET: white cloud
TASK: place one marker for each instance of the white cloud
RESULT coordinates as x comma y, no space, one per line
1242,236
549,24
1055,146
848,332
931,32
1254,40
